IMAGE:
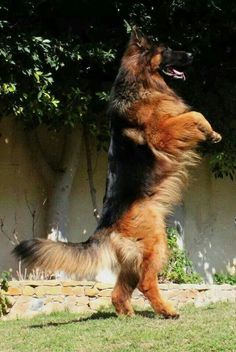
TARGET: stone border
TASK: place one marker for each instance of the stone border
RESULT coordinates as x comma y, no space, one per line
29,298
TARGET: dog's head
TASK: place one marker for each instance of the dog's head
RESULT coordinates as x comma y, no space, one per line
147,53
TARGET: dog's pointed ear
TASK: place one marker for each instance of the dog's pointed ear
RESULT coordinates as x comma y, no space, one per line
139,39
136,34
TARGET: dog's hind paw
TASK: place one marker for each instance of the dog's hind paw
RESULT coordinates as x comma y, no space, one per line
169,312
173,315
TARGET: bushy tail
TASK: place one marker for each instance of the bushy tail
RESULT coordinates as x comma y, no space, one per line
84,259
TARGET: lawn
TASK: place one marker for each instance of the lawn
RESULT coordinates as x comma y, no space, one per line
212,328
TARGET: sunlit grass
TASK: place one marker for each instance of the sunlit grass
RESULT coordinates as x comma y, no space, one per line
212,328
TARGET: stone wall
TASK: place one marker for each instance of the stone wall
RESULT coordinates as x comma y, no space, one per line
29,298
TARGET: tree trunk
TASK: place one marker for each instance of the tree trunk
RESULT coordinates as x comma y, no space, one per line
90,174
58,181
59,195
58,209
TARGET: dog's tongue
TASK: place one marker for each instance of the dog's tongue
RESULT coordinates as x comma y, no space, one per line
170,71
178,74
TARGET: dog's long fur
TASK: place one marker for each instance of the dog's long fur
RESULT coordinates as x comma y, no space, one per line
153,138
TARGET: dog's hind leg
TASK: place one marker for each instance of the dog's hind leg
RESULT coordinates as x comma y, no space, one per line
121,296
148,285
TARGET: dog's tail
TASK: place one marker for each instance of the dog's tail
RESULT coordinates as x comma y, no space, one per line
85,259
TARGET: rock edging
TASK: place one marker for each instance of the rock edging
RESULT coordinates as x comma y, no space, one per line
29,298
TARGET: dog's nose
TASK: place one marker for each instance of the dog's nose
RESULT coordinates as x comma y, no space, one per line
190,55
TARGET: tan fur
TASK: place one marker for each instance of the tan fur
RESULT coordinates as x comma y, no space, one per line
85,263
137,136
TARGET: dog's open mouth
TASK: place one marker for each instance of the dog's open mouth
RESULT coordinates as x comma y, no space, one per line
173,72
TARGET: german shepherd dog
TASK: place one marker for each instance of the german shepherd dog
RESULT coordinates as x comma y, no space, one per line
154,135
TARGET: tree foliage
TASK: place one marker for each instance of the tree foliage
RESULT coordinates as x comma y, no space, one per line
58,60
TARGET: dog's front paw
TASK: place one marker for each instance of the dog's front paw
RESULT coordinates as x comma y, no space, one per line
215,137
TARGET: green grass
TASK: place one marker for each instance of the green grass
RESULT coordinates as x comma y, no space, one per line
212,328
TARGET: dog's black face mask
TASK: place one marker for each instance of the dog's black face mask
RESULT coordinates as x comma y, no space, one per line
172,62
158,56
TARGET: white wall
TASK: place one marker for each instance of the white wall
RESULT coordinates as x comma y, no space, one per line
207,214
19,185
209,223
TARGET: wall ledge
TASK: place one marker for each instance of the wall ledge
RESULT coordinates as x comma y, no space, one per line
29,297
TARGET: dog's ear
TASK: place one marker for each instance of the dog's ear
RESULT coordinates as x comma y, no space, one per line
139,39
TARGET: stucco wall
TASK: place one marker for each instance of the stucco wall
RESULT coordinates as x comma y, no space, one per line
19,184
207,214
209,223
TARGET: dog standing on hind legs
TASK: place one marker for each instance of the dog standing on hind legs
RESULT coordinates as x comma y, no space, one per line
154,135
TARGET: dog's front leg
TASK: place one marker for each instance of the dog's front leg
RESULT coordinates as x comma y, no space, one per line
179,133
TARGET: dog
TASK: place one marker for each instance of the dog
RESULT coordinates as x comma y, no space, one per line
154,136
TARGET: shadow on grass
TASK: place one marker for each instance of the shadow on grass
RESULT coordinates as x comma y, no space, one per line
95,316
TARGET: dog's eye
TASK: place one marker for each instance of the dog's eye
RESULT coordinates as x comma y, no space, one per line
155,40
168,50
